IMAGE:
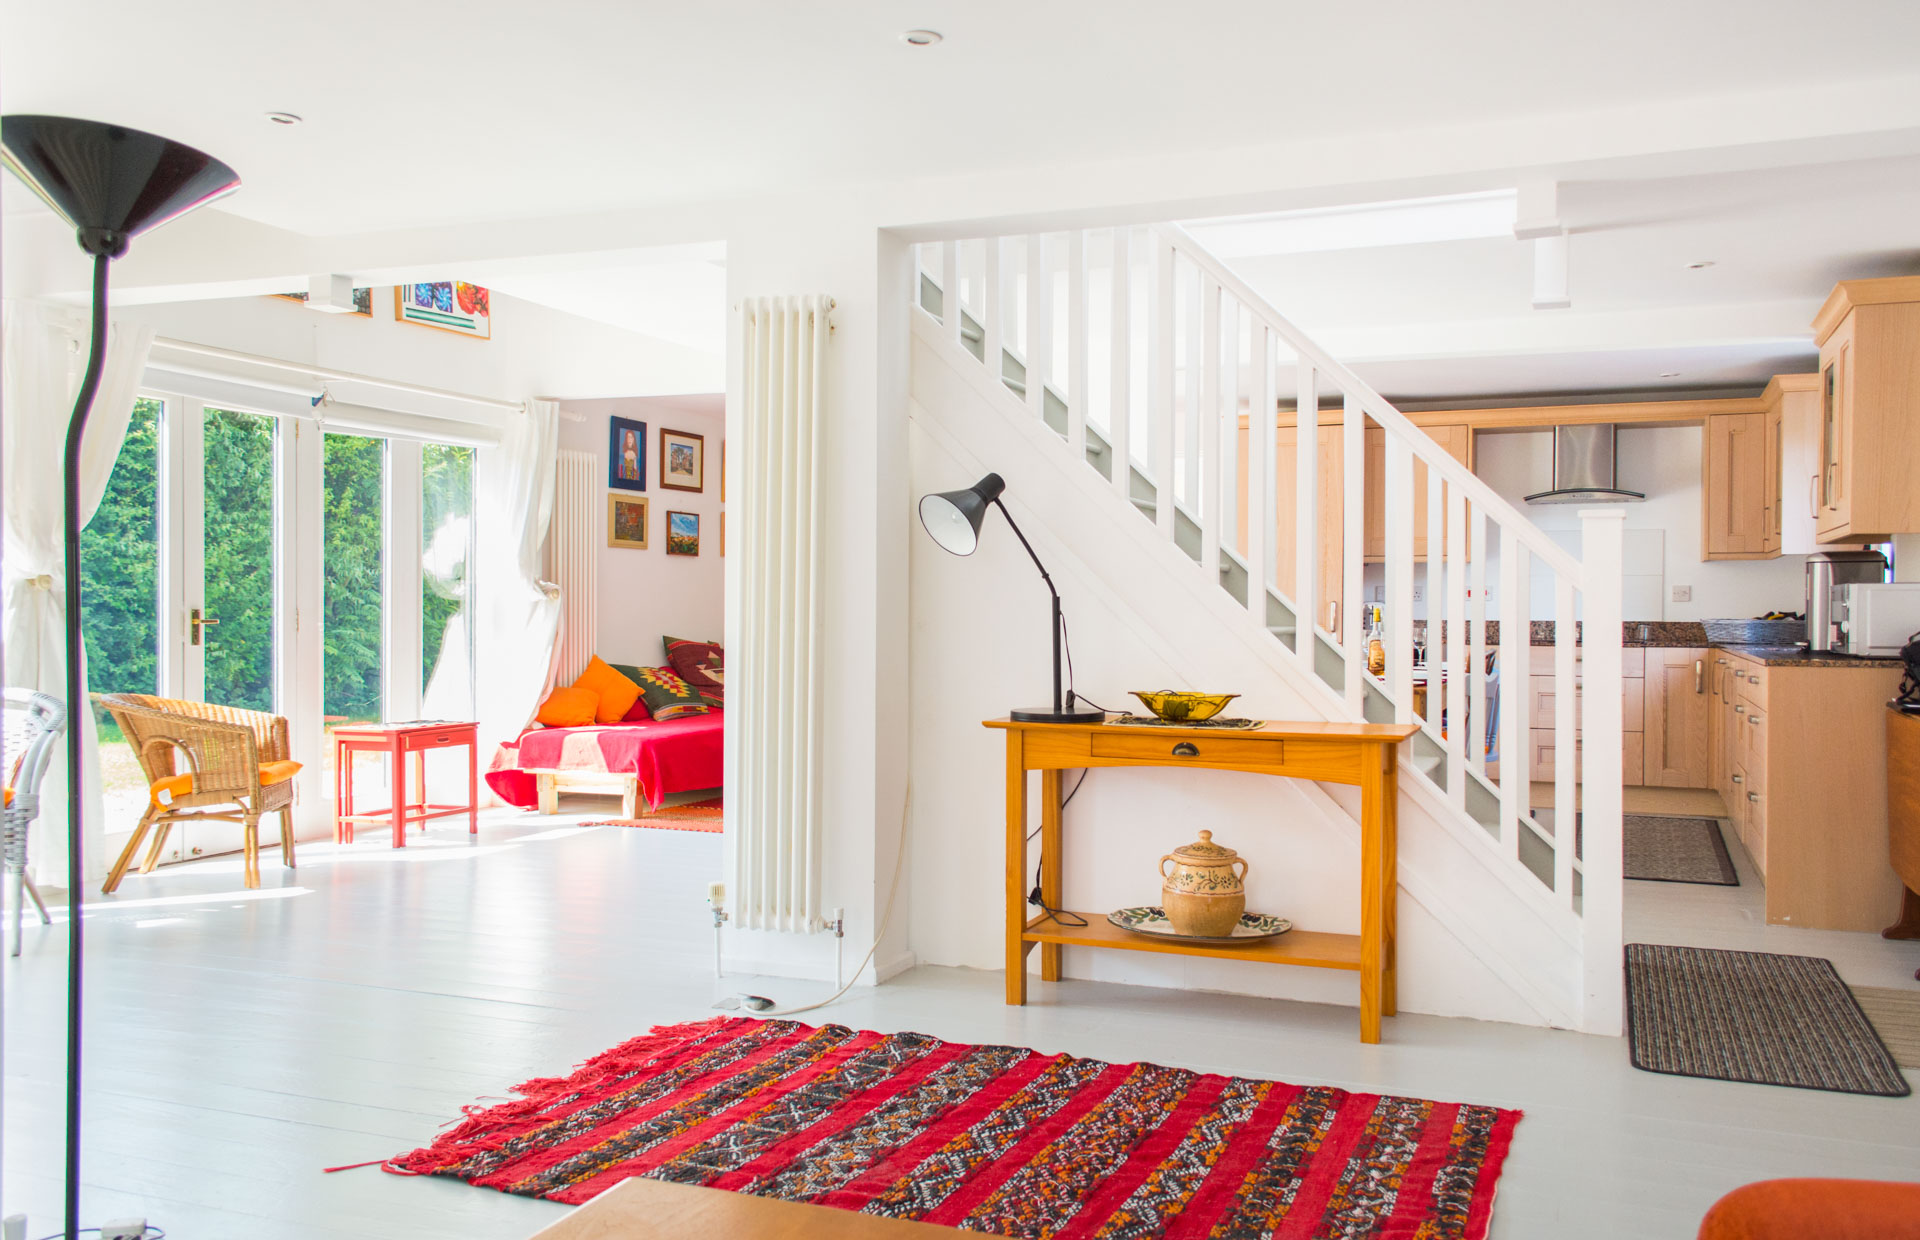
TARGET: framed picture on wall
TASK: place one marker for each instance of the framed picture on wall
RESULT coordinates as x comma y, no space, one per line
626,522
683,533
450,305
626,454
683,460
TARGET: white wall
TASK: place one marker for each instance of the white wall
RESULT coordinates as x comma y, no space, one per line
1663,462
647,595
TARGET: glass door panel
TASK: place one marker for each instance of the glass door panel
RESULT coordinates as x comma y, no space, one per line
446,538
238,637
353,599
120,603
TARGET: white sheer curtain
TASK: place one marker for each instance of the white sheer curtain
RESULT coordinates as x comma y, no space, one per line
513,616
42,358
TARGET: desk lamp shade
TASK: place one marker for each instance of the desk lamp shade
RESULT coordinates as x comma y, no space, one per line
952,518
109,182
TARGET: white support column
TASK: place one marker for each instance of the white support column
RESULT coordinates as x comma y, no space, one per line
1039,325
1353,537
1203,430
1160,426
1399,516
1120,407
1601,877
1306,507
1077,343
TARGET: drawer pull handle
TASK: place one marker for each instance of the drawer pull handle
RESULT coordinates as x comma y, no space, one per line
1739,779
1754,720
1186,749
1739,710
1753,796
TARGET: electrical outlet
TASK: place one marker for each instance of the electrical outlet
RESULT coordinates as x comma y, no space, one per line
1419,591
1683,594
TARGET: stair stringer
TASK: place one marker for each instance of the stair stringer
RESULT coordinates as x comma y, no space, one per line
1089,534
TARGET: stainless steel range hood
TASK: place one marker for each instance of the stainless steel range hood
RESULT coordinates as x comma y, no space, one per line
1585,464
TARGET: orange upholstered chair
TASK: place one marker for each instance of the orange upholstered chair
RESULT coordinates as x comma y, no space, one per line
1816,1210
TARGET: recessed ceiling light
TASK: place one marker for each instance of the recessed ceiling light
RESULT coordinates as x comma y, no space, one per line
283,118
1701,265
921,38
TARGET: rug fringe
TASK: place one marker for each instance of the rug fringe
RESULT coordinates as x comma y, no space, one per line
491,1127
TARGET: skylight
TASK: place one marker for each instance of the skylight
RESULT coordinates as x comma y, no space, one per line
1360,226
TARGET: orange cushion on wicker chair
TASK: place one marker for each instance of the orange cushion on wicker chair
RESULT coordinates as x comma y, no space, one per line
568,708
164,790
1827,1209
617,691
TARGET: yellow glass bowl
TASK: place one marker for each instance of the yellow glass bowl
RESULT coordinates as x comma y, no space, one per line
1177,707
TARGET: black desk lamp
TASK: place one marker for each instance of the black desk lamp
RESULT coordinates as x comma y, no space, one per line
952,519
110,184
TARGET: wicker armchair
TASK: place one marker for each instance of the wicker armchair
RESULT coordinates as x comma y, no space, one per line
224,750
34,722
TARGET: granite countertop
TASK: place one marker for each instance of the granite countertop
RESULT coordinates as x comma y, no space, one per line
1797,656
1650,634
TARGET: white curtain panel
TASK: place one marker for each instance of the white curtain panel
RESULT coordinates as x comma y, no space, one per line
42,358
516,615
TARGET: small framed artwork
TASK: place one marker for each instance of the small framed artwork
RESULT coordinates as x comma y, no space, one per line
683,460
450,305
626,522
683,533
626,454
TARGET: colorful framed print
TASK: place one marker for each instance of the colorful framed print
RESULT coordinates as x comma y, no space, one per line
683,533
683,460
626,454
627,522
450,305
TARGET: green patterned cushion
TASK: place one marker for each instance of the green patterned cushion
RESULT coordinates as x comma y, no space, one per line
666,695
700,664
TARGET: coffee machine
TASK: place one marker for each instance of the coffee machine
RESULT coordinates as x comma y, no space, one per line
1827,570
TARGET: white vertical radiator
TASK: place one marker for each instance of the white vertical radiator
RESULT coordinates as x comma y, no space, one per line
773,692
573,561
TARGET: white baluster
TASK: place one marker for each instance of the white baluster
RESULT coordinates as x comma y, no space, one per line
1477,650
1435,570
1203,434
1399,516
1566,742
1120,406
1458,662
1263,536
1077,343
1228,423
1190,428
1600,903
1306,494
1160,411
1039,325
1516,631
993,309
1353,537
952,309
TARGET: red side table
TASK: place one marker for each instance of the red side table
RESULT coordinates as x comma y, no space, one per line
398,740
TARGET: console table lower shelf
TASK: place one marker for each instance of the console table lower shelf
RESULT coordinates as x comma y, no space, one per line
1362,754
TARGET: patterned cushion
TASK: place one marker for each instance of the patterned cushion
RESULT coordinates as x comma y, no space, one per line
568,708
667,696
617,692
700,664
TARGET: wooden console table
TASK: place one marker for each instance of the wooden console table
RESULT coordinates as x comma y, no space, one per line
1362,754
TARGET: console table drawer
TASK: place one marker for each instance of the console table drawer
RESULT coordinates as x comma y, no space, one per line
1174,750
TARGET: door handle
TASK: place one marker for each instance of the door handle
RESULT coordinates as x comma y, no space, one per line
195,623
1186,749
1699,675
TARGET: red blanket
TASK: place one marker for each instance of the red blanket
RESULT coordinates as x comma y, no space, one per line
680,755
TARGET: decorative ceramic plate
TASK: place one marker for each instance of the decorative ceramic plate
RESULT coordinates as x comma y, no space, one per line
1153,920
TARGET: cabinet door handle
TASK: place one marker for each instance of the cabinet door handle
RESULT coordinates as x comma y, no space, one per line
1699,675
1813,495
1186,749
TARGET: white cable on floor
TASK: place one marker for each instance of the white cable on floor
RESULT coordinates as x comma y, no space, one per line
893,889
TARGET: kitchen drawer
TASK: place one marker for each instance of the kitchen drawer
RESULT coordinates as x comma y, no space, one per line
1176,749
1541,756
1750,682
1543,700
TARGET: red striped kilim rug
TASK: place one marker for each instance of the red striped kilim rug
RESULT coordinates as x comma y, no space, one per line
996,1139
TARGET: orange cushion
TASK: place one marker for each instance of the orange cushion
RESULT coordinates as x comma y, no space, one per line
617,691
165,789
1828,1209
568,708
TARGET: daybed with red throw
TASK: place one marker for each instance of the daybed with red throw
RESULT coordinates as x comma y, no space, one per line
643,732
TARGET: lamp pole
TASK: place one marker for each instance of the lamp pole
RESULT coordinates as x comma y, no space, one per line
1047,578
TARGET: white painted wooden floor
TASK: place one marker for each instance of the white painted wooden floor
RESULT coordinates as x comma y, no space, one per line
238,1045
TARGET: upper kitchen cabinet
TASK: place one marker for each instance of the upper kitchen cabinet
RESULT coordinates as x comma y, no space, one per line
1738,493
1456,441
1869,411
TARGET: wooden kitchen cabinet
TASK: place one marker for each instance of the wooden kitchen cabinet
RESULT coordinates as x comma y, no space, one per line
1458,442
1800,760
1869,410
1736,496
1677,750
1543,700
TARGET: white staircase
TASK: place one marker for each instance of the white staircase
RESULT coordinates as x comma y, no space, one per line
1137,361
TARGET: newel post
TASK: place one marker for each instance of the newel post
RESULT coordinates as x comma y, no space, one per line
1602,879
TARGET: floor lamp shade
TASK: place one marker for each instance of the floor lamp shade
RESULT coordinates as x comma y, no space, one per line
111,183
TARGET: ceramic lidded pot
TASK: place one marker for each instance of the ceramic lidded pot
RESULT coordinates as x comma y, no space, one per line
1202,894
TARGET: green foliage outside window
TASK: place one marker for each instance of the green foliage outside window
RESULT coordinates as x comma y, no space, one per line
119,565
238,545
353,597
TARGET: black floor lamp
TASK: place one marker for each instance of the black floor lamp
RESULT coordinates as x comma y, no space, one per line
953,519
111,184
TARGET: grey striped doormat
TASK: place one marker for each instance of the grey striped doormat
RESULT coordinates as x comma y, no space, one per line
1753,1017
